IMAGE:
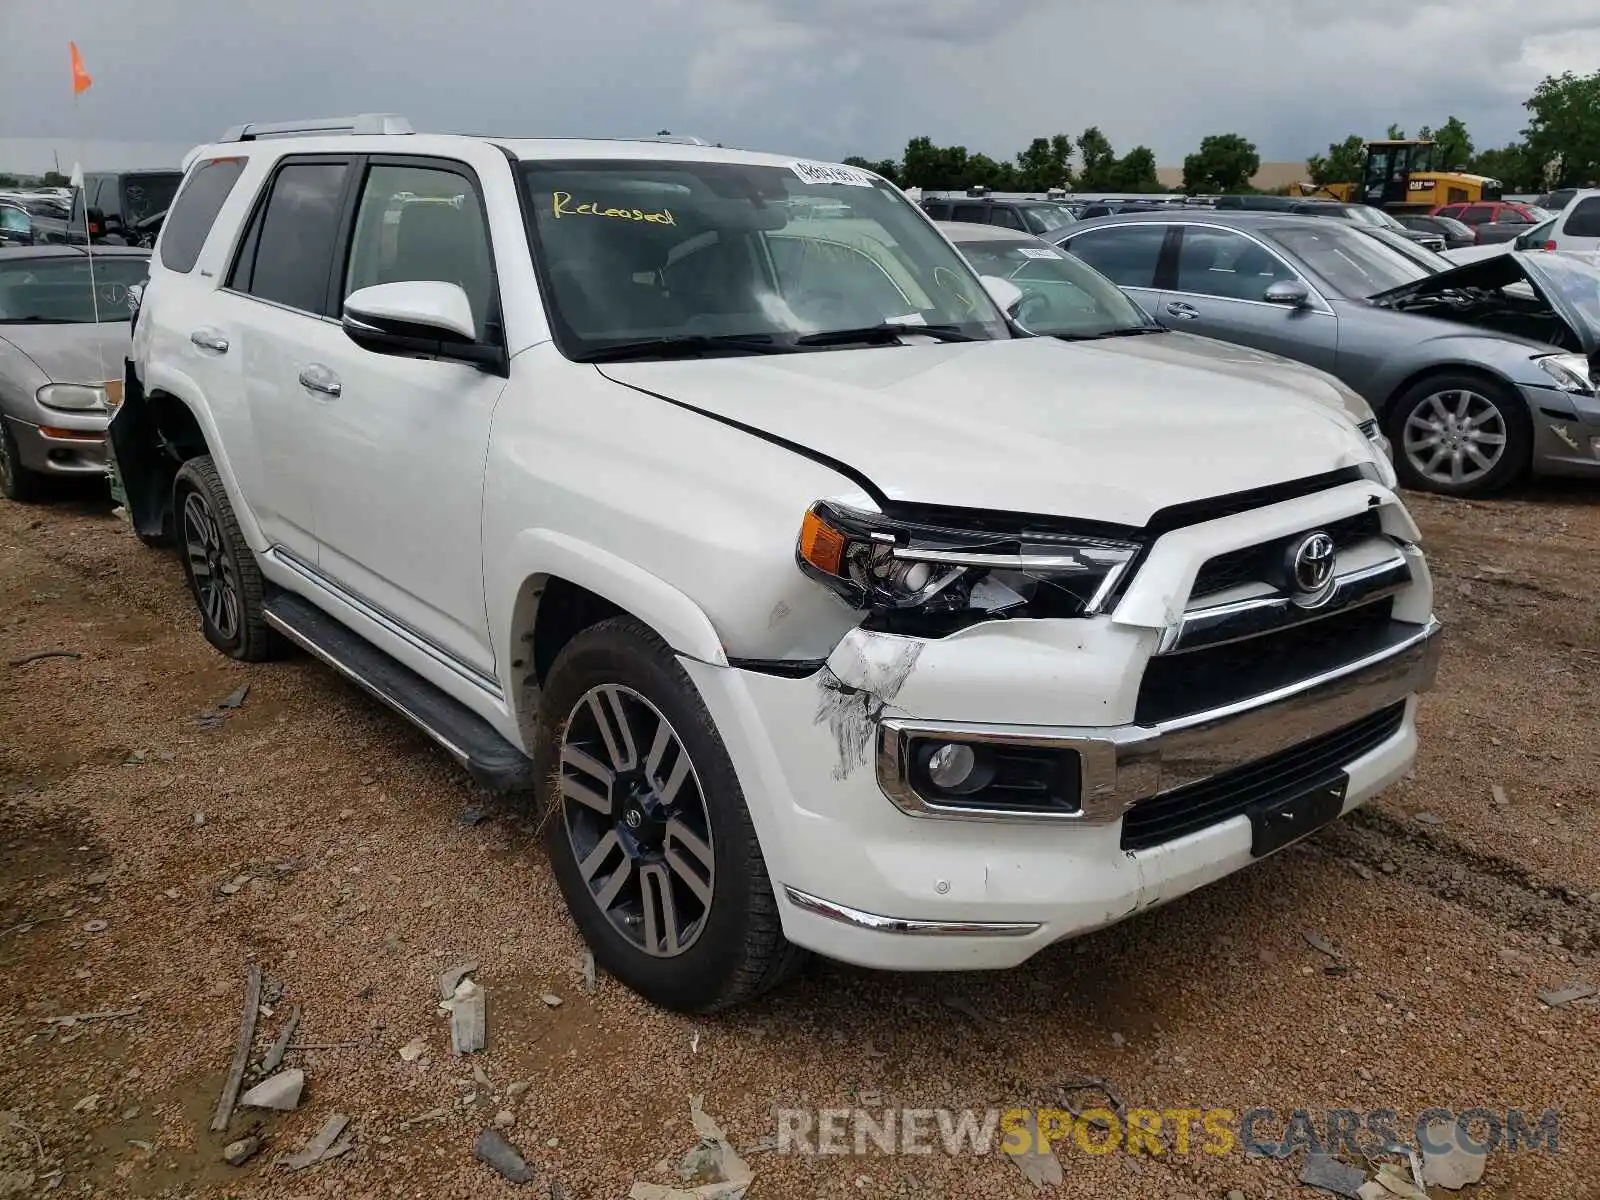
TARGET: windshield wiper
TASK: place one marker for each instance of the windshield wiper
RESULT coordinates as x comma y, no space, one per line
888,331
687,345
1125,331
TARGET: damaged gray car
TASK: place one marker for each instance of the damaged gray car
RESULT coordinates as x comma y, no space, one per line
1481,374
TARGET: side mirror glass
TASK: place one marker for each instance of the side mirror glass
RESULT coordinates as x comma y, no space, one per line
1003,292
1290,293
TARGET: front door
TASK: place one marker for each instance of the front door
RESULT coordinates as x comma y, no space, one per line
1220,290
401,442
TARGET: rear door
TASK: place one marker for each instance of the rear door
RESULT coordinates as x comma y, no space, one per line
1219,290
1128,255
274,300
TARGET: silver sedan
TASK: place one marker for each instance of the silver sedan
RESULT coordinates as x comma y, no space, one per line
63,336
1479,373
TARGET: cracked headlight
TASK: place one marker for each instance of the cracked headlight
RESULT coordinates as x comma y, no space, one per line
73,397
924,577
1570,372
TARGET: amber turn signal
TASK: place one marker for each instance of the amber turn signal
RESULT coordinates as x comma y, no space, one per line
821,544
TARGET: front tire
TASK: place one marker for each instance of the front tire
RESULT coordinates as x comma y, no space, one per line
221,569
16,481
647,829
1460,435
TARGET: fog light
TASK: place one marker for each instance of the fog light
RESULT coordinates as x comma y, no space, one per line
951,765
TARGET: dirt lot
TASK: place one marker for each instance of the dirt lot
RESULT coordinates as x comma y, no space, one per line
127,801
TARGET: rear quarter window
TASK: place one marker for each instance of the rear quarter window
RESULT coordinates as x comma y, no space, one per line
195,210
1584,219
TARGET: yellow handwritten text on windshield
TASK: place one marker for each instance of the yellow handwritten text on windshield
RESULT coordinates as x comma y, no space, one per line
562,205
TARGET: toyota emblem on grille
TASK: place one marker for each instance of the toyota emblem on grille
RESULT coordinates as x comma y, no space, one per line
1311,569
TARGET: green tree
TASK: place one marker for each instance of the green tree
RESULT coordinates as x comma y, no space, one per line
1225,162
1511,166
934,167
1395,133
1563,133
886,167
1098,162
1344,163
1135,171
9,181
55,179
1453,147
1044,164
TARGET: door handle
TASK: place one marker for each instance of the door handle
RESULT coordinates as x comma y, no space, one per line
319,379
209,339
1184,312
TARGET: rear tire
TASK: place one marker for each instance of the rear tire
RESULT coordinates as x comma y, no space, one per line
647,829
1460,434
16,481
221,569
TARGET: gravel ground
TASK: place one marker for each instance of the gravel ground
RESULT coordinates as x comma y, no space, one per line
362,875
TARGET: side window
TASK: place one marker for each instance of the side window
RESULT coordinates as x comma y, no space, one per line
1584,219
1126,256
1478,214
195,210
1219,262
976,214
939,210
422,223
287,255
1453,211
1002,214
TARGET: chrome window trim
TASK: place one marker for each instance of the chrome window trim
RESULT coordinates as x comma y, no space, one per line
1122,765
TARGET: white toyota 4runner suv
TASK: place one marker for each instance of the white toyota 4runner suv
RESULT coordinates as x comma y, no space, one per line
711,496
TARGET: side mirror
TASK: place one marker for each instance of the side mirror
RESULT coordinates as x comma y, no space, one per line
1290,293
421,318
1003,292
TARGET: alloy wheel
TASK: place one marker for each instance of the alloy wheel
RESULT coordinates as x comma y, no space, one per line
636,819
1454,437
215,584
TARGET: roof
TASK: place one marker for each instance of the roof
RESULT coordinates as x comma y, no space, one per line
969,231
58,250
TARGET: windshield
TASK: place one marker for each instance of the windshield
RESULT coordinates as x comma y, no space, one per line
1371,216
634,251
1042,218
1062,295
146,194
57,291
1352,263
1575,283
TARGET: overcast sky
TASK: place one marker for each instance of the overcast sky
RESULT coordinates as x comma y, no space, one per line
823,78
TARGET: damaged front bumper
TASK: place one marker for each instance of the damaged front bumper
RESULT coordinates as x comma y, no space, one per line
868,871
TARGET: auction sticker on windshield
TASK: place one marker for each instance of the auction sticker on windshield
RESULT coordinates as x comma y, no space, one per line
1037,252
813,172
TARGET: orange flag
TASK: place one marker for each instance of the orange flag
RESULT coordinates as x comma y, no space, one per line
81,79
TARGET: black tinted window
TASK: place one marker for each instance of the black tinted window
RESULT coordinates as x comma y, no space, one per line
937,209
1127,256
189,223
1584,219
977,214
288,256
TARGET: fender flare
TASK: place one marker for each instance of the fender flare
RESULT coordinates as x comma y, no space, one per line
671,613
184,390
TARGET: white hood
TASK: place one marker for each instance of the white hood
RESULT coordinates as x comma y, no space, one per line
1102,431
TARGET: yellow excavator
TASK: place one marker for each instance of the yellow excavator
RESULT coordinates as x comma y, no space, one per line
1402,175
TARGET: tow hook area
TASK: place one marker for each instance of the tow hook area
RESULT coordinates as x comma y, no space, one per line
862,677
